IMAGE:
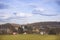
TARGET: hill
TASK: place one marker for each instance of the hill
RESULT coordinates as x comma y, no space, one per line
46,27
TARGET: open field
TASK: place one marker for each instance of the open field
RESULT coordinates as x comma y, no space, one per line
29,37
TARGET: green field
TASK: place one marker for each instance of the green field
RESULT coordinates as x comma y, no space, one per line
29,37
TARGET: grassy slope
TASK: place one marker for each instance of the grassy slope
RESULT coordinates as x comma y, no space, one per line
29,37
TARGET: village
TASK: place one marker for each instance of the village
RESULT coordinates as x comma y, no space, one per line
36,28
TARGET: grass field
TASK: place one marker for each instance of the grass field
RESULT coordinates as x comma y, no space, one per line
29,37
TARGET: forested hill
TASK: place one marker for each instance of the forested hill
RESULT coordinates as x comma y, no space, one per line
37,24
49,24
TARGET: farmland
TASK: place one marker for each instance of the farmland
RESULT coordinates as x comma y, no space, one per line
29,37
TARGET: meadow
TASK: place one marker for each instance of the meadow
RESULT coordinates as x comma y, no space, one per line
29,37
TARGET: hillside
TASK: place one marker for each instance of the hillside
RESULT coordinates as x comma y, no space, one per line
29,28
50,24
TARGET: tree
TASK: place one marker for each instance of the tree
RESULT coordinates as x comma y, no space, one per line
20,30
52,31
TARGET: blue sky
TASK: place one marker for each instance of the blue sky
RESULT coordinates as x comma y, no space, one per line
29,11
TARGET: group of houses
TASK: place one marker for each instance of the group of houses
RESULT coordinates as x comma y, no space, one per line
30,29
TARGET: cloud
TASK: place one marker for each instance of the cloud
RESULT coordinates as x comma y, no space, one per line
5,1
26,1
58,2
52,1
3,20
45,12
6,17
23,14
22,10
3,6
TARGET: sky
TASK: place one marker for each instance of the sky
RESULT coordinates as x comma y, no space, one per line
29,11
